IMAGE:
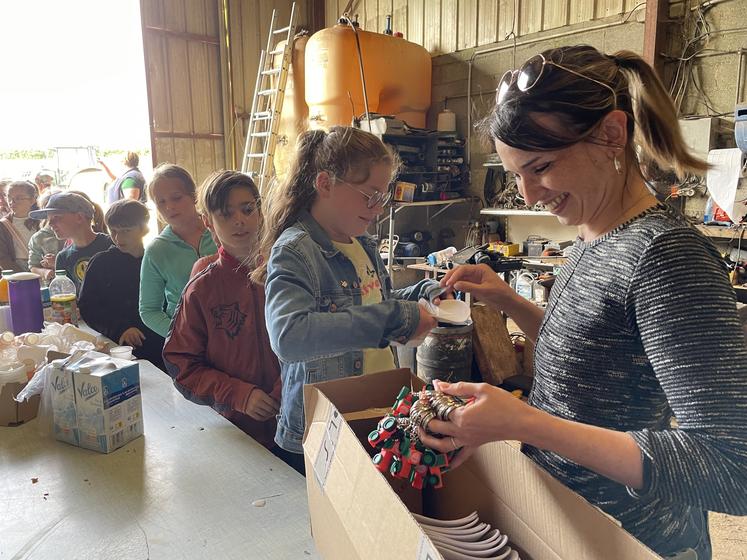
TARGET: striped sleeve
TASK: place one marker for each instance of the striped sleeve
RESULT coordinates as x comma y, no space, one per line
684,309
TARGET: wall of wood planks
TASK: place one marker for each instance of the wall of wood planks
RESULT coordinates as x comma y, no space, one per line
447,26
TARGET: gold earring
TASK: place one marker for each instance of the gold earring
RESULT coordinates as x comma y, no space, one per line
618,165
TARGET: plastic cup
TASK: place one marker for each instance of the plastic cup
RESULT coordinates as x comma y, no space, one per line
121,352
453,311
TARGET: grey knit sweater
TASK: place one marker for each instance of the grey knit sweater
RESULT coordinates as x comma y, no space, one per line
641,326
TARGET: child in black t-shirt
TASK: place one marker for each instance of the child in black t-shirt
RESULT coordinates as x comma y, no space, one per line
108,300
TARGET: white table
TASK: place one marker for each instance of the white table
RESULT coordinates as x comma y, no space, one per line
184,490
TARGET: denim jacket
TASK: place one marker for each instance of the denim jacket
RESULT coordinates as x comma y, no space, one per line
317,324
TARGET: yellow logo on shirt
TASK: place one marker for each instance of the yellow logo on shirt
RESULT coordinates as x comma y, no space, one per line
80,269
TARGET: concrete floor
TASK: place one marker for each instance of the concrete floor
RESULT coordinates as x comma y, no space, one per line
728,537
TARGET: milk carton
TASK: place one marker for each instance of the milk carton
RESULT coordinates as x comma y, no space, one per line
62,397
108,402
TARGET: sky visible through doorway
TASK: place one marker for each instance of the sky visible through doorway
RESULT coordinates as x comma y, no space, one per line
72,73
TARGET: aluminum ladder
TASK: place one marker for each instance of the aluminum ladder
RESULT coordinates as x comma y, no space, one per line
269,91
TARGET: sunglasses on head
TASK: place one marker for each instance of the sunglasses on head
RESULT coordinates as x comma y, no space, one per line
529,76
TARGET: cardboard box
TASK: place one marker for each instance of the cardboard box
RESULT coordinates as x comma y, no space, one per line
356,512
13,413
108,405
404,192
506,249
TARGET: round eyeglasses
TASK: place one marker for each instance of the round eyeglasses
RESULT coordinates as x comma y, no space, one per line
378,198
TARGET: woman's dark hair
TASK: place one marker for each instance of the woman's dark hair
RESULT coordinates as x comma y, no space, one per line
131,159
579,104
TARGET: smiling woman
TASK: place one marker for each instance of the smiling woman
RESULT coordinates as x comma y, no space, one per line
638,321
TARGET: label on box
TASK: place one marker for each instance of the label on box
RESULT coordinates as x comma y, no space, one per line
64,412
426,551
327,448
108,403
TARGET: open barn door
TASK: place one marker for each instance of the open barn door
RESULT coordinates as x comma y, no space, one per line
183,42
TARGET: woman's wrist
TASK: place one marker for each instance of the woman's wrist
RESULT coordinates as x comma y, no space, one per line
532,425
509,302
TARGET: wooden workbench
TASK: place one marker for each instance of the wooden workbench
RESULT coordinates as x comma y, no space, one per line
184,490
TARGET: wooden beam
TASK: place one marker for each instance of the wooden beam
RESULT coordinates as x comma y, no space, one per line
657,12
317,16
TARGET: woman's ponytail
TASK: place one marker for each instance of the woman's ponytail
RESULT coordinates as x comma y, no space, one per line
657,128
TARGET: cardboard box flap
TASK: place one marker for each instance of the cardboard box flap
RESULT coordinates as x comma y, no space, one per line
361,499
541,516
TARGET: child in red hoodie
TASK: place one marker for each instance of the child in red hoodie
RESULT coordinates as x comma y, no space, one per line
218,350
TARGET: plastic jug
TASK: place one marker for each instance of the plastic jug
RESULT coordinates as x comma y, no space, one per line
63,294
25,303
4,299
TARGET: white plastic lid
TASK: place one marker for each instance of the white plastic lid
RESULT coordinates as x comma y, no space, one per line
32,339
18,276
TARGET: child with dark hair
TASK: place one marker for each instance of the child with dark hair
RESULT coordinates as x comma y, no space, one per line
218,350
109,296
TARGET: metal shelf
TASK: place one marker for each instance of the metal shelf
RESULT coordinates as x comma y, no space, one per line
397,206
513,212
431,202
722,232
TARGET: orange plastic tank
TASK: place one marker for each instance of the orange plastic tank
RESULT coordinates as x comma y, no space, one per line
398,77
294,116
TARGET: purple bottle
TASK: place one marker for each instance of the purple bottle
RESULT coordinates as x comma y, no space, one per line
25,302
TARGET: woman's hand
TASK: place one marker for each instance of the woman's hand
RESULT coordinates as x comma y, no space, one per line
481,281
493,415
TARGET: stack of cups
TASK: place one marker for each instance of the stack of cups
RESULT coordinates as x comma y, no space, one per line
121,352
12,373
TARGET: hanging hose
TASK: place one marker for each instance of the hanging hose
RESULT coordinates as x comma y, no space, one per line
360,65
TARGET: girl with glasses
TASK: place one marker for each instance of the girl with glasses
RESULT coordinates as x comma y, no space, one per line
17,228
331,311
639,401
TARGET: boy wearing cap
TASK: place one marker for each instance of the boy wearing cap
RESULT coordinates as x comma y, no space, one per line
108,300
70,215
